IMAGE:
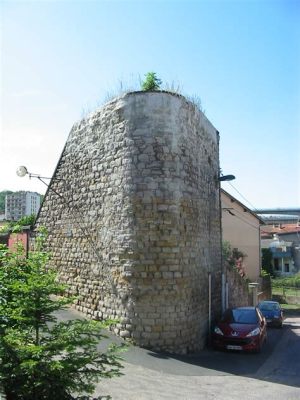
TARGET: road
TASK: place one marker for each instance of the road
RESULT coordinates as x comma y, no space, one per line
210,374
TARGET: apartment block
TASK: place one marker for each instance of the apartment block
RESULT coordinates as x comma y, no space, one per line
20,204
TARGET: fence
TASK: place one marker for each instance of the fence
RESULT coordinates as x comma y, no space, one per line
290,295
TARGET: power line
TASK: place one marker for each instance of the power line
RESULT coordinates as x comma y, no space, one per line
254,208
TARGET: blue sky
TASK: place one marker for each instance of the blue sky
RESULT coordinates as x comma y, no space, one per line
60,59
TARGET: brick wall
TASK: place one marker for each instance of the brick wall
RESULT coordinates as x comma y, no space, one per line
239,294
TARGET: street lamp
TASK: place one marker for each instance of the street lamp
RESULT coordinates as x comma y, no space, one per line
220,178
226,178
22,171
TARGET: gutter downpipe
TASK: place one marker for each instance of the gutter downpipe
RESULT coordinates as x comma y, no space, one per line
223,271
209,306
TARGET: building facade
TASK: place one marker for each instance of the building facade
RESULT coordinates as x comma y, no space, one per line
21,204
241,228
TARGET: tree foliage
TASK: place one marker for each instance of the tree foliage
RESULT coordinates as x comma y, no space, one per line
16,226
26,220
287,281
266,262
151,82
41,358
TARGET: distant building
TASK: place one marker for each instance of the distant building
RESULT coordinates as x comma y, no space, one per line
21,204
284,242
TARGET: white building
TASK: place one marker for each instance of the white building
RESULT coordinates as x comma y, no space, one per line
20,204
282,256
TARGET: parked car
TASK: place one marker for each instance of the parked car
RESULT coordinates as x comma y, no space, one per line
242,329
272,311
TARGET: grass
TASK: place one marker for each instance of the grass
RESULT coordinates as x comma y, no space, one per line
283,294
290,306
133,84
284,291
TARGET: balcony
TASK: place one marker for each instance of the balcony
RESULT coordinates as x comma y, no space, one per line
282,254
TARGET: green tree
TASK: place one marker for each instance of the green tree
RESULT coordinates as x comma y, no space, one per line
266,261
26,220
41,358
151,82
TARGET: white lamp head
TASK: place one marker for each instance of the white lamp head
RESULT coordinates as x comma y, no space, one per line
22,171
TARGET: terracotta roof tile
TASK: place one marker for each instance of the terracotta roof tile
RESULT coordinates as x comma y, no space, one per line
283,228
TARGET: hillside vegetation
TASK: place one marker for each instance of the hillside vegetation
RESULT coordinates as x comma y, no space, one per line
2,199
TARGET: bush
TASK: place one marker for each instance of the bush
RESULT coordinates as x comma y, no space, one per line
289,281
234,257
42,359
266,261
16,226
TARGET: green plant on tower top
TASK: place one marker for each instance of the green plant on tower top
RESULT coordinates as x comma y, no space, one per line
151,82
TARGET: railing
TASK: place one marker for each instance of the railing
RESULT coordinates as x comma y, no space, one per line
282,254
286,291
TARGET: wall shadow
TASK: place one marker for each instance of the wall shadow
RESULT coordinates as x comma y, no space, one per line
277,363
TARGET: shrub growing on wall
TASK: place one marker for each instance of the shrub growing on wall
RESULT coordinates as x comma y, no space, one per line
151,82
234,257
41,358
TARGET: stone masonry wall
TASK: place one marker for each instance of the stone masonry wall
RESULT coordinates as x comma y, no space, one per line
134,220
239,294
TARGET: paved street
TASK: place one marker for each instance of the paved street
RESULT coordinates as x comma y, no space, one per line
274,373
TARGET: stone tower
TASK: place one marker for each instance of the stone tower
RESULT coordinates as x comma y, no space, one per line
133,215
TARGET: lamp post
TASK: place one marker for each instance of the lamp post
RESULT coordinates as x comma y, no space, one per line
223,178
220,178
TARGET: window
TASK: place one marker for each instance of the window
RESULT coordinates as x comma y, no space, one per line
286,267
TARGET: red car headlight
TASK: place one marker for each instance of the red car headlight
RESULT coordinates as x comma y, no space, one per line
255,332
218,331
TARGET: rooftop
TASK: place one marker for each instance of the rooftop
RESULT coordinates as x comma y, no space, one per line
280,229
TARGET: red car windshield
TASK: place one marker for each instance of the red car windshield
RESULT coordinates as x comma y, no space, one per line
240,316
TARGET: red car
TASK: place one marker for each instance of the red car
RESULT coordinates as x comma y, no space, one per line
241,328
